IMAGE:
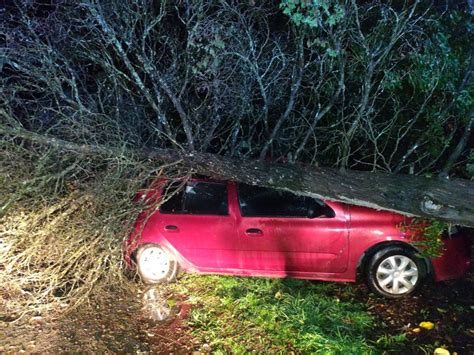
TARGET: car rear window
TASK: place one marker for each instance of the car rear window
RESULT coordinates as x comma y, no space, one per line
256,201
207,198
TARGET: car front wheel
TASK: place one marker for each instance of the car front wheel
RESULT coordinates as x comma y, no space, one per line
395,272
156,265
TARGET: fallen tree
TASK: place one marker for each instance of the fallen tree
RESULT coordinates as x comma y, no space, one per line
98,96
449,200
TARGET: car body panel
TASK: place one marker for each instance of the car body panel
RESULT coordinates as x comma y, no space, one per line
205,241
455,260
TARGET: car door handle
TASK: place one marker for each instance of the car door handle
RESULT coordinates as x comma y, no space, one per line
171,228
254,232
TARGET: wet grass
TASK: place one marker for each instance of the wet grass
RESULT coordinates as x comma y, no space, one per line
240,315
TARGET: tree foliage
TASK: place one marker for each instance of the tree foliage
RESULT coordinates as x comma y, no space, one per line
365,85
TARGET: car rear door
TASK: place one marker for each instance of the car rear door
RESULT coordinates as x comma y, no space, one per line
197,222
280,231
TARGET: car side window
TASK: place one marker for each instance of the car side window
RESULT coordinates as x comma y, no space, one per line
256,201
173,194
207,198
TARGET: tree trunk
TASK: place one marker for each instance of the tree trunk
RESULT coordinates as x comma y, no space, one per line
447,200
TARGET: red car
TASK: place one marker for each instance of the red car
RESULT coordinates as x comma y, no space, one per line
209,226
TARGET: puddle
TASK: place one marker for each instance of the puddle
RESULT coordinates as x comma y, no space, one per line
158,306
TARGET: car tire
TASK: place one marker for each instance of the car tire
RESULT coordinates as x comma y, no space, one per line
395,272
156,265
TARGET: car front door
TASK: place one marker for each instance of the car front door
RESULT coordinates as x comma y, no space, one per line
280,231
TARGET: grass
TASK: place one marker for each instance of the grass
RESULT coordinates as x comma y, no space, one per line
239,315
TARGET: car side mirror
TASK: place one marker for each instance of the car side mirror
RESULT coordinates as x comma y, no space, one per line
311,213
329,212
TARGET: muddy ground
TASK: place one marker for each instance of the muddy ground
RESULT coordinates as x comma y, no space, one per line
142,320
123,321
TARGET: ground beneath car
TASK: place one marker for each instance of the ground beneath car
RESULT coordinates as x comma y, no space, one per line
448,305
143,320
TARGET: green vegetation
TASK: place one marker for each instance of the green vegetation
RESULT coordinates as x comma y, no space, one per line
430,234
243,315
238,315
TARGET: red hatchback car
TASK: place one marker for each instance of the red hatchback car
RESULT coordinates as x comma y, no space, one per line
209,226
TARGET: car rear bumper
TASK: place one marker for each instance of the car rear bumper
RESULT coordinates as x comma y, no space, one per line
455,261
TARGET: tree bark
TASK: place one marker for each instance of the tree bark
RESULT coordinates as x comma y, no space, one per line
446,200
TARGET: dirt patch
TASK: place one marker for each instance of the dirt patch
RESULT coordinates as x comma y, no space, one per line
119,322
449,306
